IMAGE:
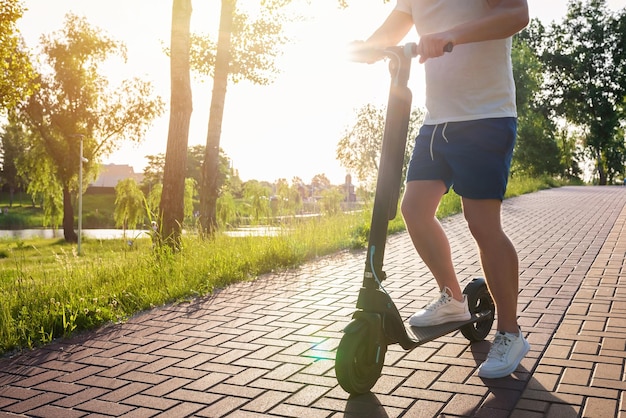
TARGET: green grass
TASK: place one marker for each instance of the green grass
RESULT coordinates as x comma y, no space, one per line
47,291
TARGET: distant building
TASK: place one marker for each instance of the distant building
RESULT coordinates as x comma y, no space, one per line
111,174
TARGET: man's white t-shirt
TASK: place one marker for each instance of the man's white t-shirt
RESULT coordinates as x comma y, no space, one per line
475,81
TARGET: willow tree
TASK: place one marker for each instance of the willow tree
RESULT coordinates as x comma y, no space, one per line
130,208
75,109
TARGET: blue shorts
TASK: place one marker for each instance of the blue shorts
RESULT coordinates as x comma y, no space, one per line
473,157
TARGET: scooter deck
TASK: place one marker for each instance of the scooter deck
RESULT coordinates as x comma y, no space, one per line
423,335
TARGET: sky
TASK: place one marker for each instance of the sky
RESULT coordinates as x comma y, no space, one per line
287,129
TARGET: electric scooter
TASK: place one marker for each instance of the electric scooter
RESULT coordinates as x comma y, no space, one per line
376,323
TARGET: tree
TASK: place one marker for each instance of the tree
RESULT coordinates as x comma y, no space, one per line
195,157
74,106
299,188
536,149
17,75
153,172
226,209
331,200
11,150
319,182
244,50
585,56
153,200
256,196
38,172
190,192
359,148
171,209
129,205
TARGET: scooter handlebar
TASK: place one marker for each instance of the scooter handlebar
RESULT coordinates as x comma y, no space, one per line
360,53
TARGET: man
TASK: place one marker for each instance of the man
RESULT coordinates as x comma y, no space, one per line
466,142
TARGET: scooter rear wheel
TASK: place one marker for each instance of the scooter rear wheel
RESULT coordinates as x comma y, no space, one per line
480,302
359,360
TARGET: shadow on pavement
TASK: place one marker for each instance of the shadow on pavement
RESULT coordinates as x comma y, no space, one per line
365,406
517,395
519,392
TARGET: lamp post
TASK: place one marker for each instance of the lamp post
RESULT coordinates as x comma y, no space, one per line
80,191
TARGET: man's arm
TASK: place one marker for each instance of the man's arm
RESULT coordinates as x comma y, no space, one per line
506,18
392,31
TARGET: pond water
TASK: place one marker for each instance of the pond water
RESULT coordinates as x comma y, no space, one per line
58,233
130,233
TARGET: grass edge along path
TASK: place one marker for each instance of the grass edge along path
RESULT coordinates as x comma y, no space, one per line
47,291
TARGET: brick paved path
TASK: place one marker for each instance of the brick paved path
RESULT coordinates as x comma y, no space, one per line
266,348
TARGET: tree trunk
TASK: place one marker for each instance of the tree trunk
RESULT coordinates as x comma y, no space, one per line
209,186
68,217
602,181
172,199
11,195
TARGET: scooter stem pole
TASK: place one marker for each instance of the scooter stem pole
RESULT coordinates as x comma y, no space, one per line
391,162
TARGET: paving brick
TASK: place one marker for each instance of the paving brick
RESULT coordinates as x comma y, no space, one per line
51,411
266,401
98,406
102,382
298,411
20,393
182,410
125,392
461,404
576,376
425,409
153,402
222,407
607,371
195,396
598,407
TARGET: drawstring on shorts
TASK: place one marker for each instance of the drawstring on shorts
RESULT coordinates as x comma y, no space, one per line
432,138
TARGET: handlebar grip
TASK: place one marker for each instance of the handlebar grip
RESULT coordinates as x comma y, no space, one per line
411,51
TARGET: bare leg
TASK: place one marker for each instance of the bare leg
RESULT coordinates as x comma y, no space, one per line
419,206
498,258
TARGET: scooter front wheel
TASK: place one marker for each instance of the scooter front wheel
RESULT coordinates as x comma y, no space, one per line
359,359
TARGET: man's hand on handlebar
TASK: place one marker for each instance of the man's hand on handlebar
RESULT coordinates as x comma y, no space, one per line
360,51
434,45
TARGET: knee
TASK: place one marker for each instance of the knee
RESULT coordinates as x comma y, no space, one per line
479,228
406,210
412,213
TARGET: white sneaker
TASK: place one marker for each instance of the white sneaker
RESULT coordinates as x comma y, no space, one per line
505,355
442,310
